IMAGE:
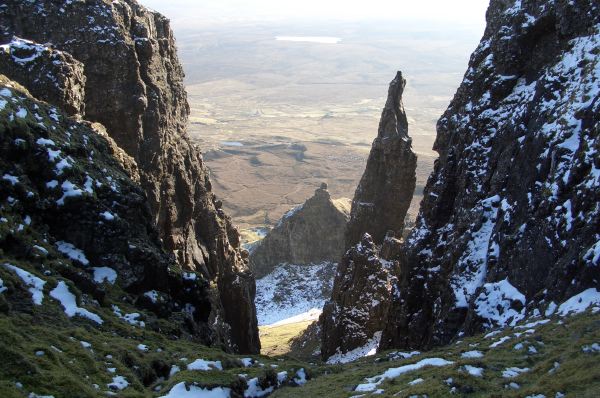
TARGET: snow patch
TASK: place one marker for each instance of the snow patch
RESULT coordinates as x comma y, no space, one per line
35,284
203,364
69,250
67,300
104,274
180,390
293,290
370,348
373,382
473,370
496,304
472,354
580,302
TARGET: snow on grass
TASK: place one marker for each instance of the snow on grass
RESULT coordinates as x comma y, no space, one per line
190,276
2,287
40,249
373,382
153,295
35,284
203,364
509,373
21,113
67,300
118,383
580,302
107,215
472,354
291,290
45,142
415,382
180,390
85,344
397,355
70,190
10,178
143,347
69,250
473,370
131,318
592,255
300,378
496,304
592,348
174,370
500,341
255,389
370,348
104,274
529,325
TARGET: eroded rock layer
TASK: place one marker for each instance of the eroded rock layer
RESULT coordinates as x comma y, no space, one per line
510,222
134,87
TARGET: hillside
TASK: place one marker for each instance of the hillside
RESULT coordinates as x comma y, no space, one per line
121,275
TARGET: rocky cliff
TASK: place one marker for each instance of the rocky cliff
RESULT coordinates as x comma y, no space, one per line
360,299
310,233
69,212
386,188
134,87
356,313
509,224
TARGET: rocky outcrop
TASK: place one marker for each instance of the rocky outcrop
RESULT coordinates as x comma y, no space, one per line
134,87
50,75
310,233
386,188
510,222
70,211
360,297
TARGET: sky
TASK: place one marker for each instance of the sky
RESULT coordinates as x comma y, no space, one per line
463,12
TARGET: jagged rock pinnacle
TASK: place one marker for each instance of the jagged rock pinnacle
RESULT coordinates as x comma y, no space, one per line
385,191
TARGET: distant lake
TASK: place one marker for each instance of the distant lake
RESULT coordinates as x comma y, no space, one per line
231,143
310,39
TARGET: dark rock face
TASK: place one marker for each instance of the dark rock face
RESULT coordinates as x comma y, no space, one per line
310,233
68,208
384,193
360,297
365,275
510,220
50,75
134,87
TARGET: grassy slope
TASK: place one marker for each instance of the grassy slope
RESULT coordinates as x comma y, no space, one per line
276,340
74,370
578,373
71,370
